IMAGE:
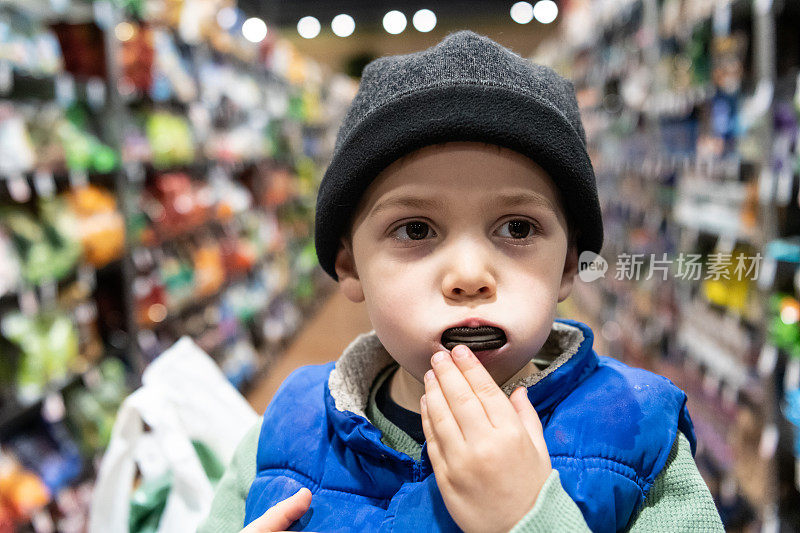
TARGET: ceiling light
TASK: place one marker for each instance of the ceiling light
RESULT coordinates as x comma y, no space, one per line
522,12
424,20
308,27
254,29
226,17
343,25
124,31
394,22
545,11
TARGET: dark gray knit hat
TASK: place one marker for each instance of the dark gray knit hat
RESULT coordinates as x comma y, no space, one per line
466,88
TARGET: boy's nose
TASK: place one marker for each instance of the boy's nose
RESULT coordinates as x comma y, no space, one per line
468,276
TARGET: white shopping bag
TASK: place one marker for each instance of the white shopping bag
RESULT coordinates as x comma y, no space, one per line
184,396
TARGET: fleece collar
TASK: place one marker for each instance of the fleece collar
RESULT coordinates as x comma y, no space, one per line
565,359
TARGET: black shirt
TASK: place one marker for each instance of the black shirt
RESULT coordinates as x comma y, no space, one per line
408,421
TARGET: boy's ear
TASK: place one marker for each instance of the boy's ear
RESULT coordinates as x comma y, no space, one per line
570,271
345,267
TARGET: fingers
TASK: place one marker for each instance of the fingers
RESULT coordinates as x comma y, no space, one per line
441,422
281,515
494,401
434,453
528,416
466,408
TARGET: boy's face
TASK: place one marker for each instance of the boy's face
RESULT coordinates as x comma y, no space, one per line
456,232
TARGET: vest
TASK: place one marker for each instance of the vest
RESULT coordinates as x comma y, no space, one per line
608,428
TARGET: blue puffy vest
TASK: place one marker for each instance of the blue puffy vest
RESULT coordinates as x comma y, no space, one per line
608,428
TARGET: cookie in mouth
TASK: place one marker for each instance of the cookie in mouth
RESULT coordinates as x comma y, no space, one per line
476,339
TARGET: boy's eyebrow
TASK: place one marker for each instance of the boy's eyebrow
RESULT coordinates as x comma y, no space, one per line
507,200
524,198
413,202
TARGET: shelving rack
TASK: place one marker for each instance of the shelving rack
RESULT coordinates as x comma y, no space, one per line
686,165
300,109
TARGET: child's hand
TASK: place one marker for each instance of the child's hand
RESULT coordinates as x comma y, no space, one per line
282,514
487,450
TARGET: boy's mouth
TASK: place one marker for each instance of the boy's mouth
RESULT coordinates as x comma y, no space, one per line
476,339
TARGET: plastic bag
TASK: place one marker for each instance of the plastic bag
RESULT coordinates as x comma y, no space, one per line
184,398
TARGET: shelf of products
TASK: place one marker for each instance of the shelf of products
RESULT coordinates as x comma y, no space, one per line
157,179
691,116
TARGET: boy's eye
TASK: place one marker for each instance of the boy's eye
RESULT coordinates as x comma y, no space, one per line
517,229
414,230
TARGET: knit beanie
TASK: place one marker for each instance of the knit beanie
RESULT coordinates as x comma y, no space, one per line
465,88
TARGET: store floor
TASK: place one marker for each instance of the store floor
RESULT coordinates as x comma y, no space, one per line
337,322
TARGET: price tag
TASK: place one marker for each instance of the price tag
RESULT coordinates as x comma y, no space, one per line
65,89
6,77
92,378
783,190
53,409
49,293
18,188
797,280
766,185
28,303
135,172
42,521
725,244
797,473
86,313
728,488
791,377
96,92
769,442
88,276
103,14
767,359
60,6
44,183
763,6
688,238
722,19
78,179
733,165
767,275
729,395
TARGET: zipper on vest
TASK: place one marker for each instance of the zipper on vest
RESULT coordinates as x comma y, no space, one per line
415,471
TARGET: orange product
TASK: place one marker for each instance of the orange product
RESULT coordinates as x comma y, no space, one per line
209,268
100,224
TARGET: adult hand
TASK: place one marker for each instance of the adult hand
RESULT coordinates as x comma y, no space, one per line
282,514
487,450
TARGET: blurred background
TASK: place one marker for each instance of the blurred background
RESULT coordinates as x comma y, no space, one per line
159,161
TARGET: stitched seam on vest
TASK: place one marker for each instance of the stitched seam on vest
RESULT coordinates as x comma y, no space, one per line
317,486
610,465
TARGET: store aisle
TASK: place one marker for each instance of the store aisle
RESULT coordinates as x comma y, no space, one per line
324,337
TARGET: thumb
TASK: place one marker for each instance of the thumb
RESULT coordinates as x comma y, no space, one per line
528,417
281,515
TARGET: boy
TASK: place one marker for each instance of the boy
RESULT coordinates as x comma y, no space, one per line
457,202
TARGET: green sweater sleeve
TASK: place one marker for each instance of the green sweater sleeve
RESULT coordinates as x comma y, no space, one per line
227,507
679,500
